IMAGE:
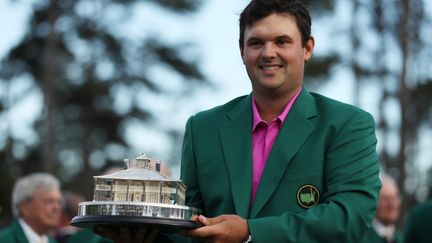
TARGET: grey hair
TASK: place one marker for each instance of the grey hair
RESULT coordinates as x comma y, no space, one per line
26,186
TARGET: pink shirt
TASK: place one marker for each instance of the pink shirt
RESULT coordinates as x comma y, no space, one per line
263,136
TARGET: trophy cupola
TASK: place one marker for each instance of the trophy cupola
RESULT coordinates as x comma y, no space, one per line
143,161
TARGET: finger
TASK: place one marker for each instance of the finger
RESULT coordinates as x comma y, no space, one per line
208,229
210,221
204,220
203,232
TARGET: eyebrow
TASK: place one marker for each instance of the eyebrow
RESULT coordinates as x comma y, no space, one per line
255,38
252,39
284,37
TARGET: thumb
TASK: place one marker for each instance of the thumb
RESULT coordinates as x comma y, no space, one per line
204,220
209,221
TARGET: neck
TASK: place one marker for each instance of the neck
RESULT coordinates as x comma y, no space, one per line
37,228
270,106
269,109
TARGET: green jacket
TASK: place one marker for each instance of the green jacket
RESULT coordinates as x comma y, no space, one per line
322,143
15,234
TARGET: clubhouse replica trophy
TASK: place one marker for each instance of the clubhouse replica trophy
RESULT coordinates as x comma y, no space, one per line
139,196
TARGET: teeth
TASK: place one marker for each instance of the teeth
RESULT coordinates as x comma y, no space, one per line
270,68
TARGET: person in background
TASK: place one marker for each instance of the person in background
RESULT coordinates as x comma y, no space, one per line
387,214
36,204
418,227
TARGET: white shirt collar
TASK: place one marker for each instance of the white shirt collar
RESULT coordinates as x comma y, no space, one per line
30,234
385,231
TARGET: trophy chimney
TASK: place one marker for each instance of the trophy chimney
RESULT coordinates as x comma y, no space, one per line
158,165
126,164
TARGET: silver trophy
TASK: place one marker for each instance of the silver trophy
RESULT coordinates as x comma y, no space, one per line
139,196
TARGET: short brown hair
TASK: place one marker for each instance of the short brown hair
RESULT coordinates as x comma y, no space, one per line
259,9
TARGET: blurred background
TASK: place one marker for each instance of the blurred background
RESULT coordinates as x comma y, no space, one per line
87,83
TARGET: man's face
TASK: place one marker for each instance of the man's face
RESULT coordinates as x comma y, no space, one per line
274,55
388,204
42,212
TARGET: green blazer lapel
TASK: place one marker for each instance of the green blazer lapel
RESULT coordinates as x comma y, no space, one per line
294,132
18,233
236,137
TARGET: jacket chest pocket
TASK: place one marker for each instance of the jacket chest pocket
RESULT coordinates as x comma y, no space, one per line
300,189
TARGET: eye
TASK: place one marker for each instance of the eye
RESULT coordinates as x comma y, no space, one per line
254,43
282,41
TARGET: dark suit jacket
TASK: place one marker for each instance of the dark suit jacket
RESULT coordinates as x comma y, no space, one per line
86,236
323,143
419,224
15,234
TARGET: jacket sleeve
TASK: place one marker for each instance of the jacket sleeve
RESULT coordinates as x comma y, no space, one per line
188,169
350,197
189,177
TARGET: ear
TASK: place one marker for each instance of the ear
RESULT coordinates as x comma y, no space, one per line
308,48
24,209
242,54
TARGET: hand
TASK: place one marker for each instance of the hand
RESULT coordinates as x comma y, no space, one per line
224,228
127,235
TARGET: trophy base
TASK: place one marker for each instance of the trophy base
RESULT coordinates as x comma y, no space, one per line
162,224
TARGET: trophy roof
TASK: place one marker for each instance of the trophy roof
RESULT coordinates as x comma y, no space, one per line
141,171
137,173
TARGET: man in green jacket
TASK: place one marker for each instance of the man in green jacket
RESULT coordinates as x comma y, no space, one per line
282,164
36,203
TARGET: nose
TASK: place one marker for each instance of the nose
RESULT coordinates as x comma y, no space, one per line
269,51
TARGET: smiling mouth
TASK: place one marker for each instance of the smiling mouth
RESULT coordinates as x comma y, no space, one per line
270,67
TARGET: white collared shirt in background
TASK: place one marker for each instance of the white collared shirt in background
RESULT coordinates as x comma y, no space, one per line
385,231
31,235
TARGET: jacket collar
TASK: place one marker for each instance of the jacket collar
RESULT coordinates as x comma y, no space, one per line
18,232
